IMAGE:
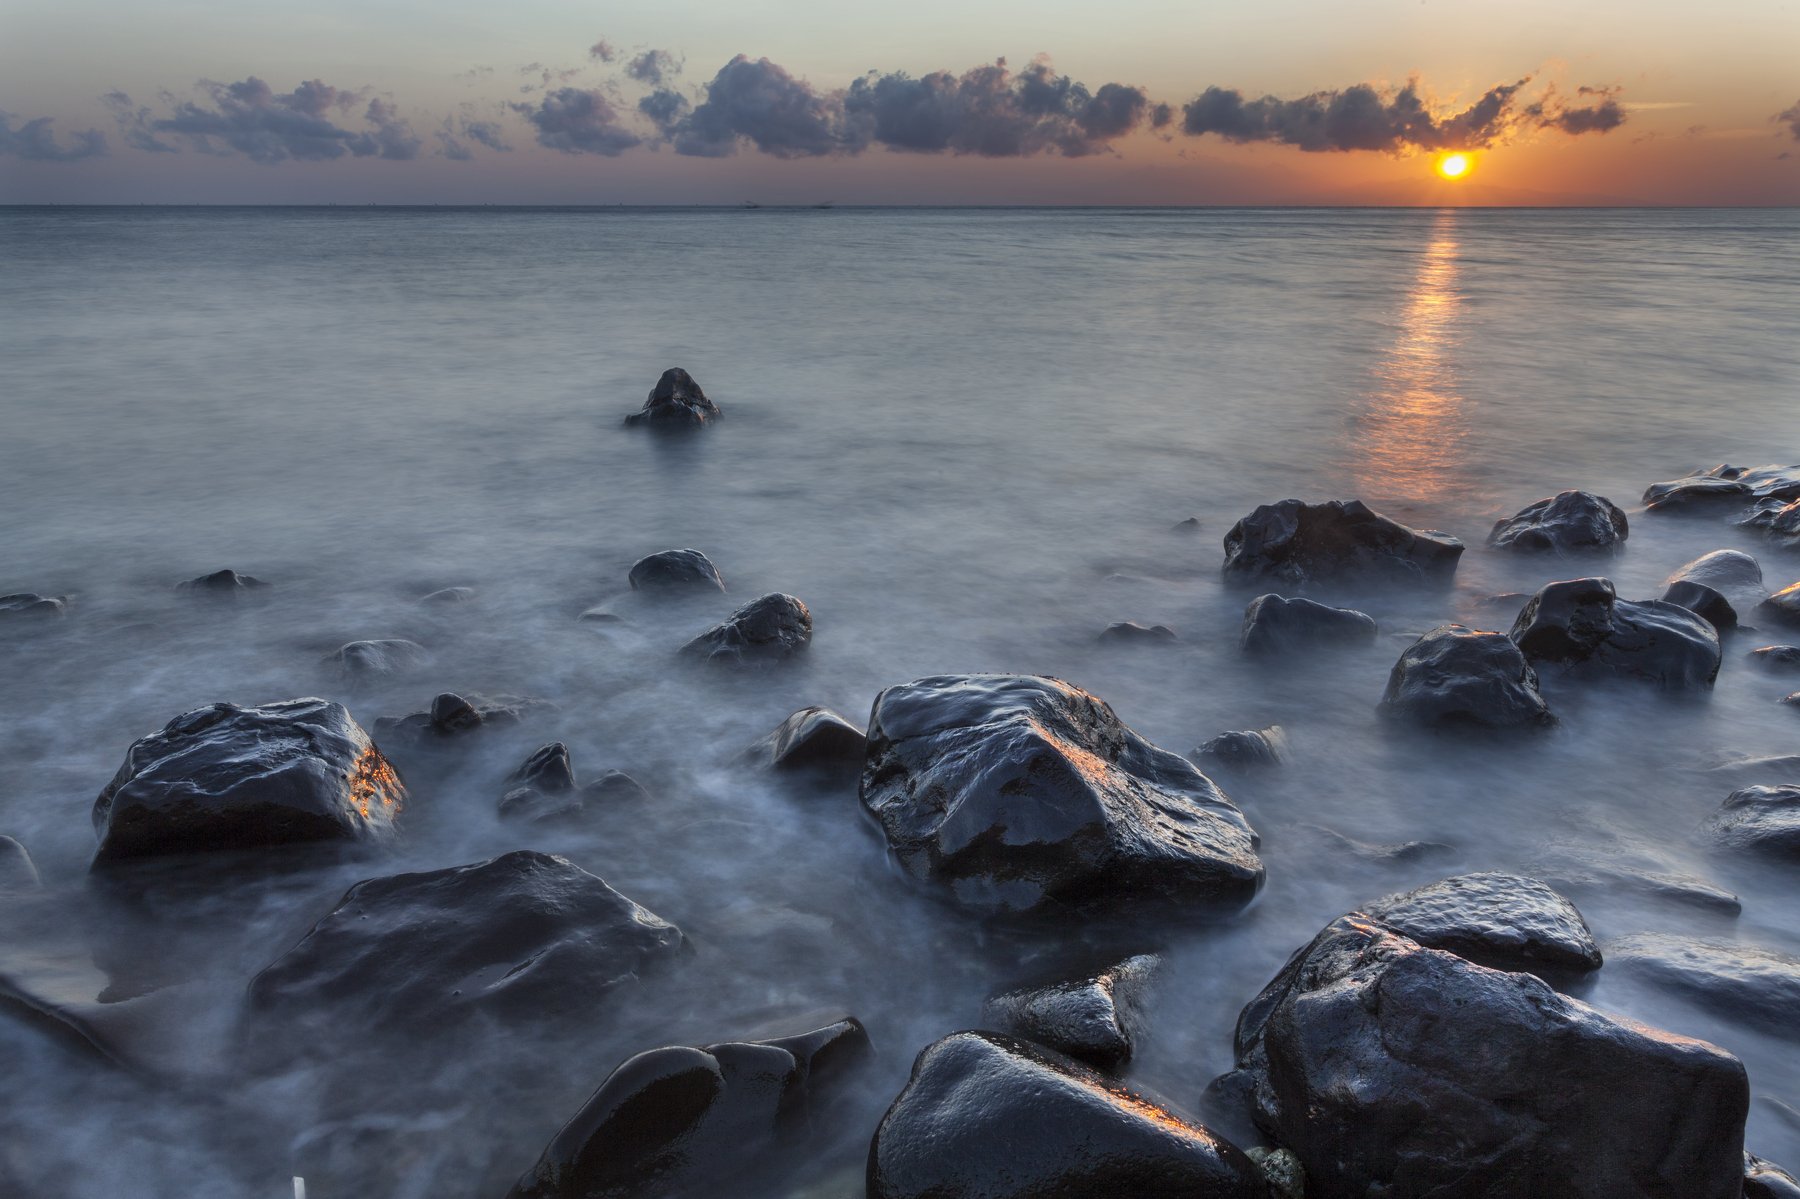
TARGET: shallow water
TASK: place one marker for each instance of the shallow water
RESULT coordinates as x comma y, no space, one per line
963,438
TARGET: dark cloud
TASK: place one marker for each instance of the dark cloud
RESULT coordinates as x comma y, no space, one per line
392,139
1594,118
578,121
761,103
1162,116
664,107
603,51
250,118
457,132
134,124
655,67
1791,118
34,141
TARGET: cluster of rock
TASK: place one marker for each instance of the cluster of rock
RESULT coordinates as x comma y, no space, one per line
544,788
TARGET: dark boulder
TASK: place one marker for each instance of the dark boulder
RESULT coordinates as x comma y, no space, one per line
1022,793
1725,486
1504,921
29,605
17,871
1766,1180
686,1123
1130,632
386,656
768,629
223,582
1584,626
1094,1020
1391,1069
815,739
1778,520
1782,608
1764,819
547,769
1755,986
1777,659
1569,522
676,402
986,1116
225,777
1274,624
1725,571
1245,748
1454,677
524,938
453,716
1296,543
1703,601
675,570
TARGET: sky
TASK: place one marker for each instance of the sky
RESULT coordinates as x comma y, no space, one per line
923,102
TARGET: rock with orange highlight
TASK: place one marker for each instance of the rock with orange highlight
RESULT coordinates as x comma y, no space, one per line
224,777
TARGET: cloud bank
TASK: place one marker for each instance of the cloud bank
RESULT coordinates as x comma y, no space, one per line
250,118
34,141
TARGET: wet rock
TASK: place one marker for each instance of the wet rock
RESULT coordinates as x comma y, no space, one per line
453,716
1725,571
1703,601
1779,521
1724,486
386,656
29,605
1296,543
687,1122
520,939
768,629
1584,626
544,788
1287,1177
547,769
1242,748
223,582
1777,659
1766,1180
815,739
225,777
613,786
1756,986
1130,632
1399,852
1567,523
447,597
675,570
1764,819
1782,608
1455,677
1792,699
1274,624
986,1116
1590,871
1391,1069
676,402
1504,921
1094,1020
1022,793
17,871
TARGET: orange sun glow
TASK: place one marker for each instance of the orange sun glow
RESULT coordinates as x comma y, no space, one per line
1453,166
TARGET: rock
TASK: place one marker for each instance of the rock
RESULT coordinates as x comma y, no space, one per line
815,739
1402,852
1756,986
1296,543
1243,748
453,716
17,871
225,777
1094,1020
613,786
1766,1180
1765,819
1779,521
1606,874
30,605
1504,921
1130,632
1190,525
547,769
1777,659
1567,523
1704,602
1725,486
1791,699
447,597
986,1116
521,939
1287,1177
1021,793
1455,677
381,657
682,1121
1583,625
600,616
1391,1069
544,788
768,629
676,402
675,570
1783,607
1273,624
223,582
1724,571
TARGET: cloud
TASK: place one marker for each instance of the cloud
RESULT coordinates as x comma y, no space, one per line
1360,117
252,119
34,141
760,102
578,121
393,139
134,124
1791,118
457,132
603,51
655,67
664,107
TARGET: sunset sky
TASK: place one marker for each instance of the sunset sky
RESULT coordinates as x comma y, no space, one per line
799,101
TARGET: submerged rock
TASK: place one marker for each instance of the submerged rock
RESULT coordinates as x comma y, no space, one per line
1725,486
29,605
768,629
676,402
1245,748
1783,607
1756,986
1583,625
1455,677
385,656
1504,921
1399,852
447,597
1569,522
1779,521
1777,659
1095,1020
1296,543
1604,873
17,871
225,777
815,739
1023,793
223,582
1391,1069
686,1122
985,1116
1705,602
1130,632
544,788
1766,1180
675,570
525,937
453,716
1274,624
1765,819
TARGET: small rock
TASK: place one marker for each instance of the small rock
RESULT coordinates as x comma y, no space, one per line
547,769
453,716
1780,522
1243,748
381,657
771,628
1764,819
676,402
1130,632
1504,921
1274,624
1723,570
30,605
1584,626
1400,852
613,786
17,871
1190,525
675,570
1601,873
1569,522
223,582
1756,986
1704,602
1287,1177
815,739
1455,677
1094,1020
1725,486
1783,607
1296,543
447,597
1777,659
1766,1180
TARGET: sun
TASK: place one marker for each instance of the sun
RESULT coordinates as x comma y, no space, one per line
1453,166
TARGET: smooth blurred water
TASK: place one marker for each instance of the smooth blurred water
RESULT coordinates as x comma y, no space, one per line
963,438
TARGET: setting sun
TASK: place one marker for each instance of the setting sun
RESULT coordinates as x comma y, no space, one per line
1453,166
